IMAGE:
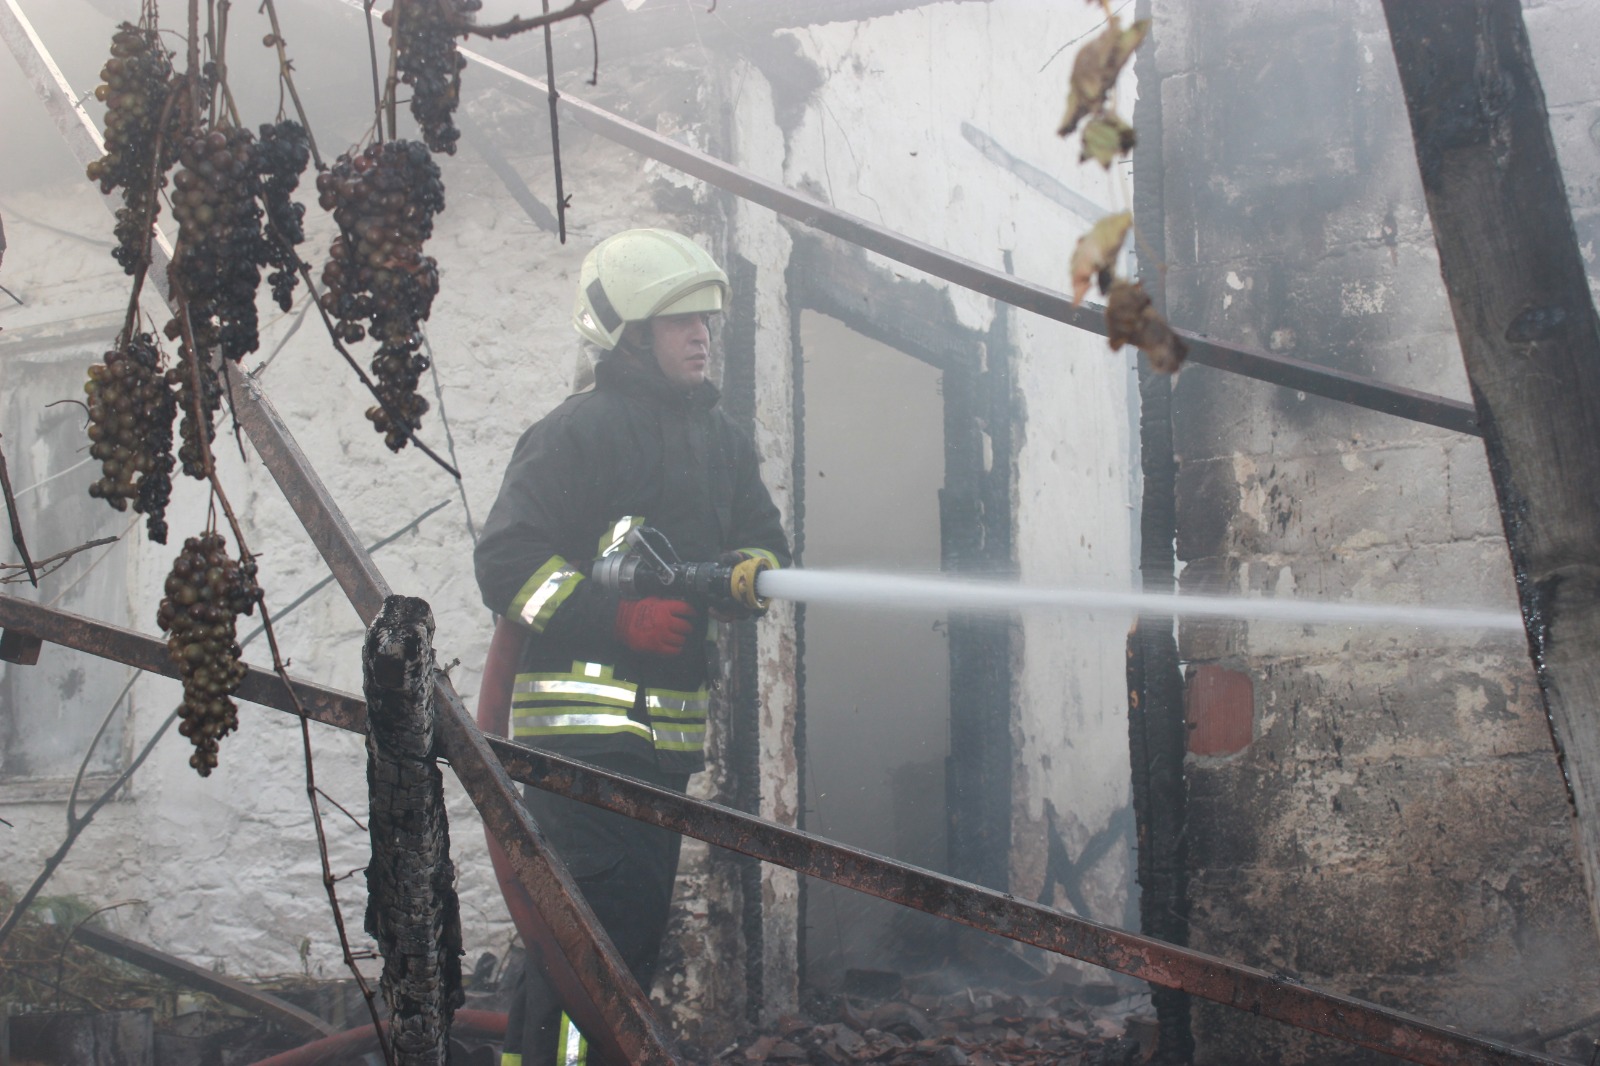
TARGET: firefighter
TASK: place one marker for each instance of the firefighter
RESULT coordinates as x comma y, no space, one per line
622,683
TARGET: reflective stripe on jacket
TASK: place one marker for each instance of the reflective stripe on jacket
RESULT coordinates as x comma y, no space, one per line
590,700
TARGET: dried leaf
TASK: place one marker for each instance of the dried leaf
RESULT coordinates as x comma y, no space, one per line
1105,137
1132,319
1095,70
1097,250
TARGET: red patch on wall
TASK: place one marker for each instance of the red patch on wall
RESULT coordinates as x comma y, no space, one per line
1219,706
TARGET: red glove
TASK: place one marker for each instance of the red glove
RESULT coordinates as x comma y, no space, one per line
654,625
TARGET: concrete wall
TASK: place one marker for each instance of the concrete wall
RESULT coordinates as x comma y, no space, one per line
1388,820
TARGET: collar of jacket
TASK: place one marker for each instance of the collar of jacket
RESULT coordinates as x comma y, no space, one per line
622,373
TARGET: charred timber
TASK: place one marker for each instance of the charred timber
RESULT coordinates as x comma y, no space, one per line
412,909
1530,340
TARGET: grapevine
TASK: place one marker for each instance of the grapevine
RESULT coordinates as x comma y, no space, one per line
206,592
377,279
136,81
131,408
192,451
220,245
429,61
281,156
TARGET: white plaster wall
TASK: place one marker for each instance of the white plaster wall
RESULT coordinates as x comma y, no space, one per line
225,870
882,138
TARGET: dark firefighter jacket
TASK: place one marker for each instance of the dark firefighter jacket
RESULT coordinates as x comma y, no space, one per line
636,446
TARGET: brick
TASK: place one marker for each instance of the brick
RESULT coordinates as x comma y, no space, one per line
1219,709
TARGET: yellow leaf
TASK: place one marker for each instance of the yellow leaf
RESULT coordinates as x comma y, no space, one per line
1097,250
1095,70
1105,137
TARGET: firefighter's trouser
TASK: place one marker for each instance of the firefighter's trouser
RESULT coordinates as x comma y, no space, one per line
625,870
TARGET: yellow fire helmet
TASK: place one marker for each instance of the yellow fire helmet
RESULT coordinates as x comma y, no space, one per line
641,273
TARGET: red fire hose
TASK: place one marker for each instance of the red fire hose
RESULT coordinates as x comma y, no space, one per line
479,1024
494,719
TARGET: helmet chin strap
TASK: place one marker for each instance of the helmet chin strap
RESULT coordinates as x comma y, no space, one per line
635,341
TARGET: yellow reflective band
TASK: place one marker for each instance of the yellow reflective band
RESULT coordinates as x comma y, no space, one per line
685,738
761,553
545,725
510,1058
571,1048
545,591
668,704
618,694
613,539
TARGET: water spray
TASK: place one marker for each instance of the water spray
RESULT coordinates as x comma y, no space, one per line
847,588
649,567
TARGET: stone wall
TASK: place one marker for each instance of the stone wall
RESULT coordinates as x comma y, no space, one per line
1375,811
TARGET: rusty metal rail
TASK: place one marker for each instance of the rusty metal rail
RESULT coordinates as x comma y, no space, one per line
1243,987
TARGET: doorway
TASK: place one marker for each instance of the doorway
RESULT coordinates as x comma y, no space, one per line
876,682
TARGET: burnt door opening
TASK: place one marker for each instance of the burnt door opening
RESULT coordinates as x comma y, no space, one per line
876,682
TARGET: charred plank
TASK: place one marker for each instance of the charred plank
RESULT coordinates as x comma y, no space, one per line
412,909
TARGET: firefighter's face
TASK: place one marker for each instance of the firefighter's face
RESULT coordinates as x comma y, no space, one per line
682,346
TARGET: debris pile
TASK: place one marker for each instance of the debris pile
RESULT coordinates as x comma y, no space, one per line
967,1028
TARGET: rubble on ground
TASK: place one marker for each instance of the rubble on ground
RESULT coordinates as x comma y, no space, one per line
1096,1025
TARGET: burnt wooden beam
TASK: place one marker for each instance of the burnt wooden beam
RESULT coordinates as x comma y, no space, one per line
19,647
280,1012
1530,339
1158,735
412,909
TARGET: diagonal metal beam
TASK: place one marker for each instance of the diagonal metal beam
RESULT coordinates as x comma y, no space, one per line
595,985
1242,987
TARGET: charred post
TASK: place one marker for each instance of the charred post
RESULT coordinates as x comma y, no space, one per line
1157,735
412,910
1530,340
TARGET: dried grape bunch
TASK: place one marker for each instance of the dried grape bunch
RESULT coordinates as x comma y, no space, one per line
134,88
131,408
281,156
206,592
216,265
431,64
378,281
190,452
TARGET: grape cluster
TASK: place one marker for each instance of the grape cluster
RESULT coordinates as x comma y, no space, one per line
220,247
191,452
206,592
131,408
378,281
430,63
281,156
134,87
